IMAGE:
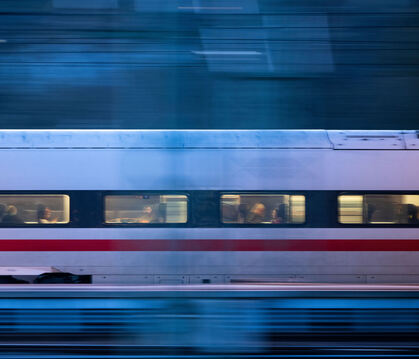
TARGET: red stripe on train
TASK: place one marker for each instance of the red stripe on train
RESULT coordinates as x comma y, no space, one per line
217,245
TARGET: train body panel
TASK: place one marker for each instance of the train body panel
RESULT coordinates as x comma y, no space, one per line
219,161
213,169
170,263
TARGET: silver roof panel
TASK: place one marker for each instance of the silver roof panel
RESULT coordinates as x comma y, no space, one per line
209,139
369,140
177,139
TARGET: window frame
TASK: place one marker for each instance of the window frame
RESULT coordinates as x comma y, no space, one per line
264,225
373,225
70,223
321,209
104,194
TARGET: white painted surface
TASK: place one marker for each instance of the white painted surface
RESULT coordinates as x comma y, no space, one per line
219,160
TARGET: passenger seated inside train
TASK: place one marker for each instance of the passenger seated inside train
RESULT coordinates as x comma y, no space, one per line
31,209
147,209
146,216
257,213
262,208
44,215
12,216
279,215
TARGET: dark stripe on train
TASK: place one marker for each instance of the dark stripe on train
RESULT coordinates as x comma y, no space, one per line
87,209
206,245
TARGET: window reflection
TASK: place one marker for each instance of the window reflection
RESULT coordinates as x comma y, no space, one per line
34,209
146,209
263,208
379,209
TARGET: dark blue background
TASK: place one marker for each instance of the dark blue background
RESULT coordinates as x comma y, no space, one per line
209,64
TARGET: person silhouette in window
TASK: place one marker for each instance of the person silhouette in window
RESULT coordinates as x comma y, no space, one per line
11,216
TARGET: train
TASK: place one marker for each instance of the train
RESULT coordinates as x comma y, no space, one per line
139,207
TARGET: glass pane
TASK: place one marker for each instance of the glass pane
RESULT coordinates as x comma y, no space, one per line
146,209
379,209
350,209
263,208
34,209
298,209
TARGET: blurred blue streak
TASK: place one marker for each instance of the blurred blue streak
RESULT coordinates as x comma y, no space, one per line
208,64
175,324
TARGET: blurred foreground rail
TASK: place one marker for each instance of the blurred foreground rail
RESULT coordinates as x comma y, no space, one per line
235,321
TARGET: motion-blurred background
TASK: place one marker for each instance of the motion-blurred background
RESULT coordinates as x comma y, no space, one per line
209,64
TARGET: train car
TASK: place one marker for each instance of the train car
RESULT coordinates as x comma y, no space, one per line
188,207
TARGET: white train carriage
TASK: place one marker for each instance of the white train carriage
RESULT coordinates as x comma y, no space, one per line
142,207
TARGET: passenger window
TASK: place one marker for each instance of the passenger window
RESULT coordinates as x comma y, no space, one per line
146,209
34,209
262,208
378,209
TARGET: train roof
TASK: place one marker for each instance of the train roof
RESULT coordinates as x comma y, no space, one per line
209,139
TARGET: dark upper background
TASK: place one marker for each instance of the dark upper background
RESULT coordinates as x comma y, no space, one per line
350,64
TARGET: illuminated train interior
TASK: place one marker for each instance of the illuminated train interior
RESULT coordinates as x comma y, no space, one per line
227,209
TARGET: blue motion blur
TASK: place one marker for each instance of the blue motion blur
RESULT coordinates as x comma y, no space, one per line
180,322
209,64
